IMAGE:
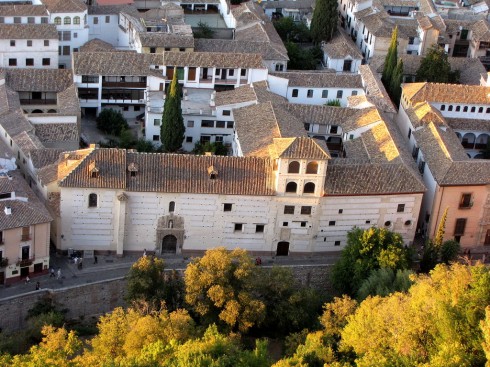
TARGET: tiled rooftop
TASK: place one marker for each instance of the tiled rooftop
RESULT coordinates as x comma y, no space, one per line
115,63
213,59
320,79
20,10
28,31
65,6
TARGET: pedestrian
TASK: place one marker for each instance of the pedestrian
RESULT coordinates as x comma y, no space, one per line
38,286
80,263
144,252
51,273
59,274
95,259
28,279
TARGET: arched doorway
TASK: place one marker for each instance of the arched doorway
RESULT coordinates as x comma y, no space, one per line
282,248
169,244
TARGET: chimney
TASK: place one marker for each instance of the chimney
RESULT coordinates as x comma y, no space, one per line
8,210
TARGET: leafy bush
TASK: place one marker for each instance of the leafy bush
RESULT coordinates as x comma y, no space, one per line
215,148
111,122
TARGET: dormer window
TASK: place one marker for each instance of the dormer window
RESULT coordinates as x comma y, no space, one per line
213,173
94,171
133,169
5,195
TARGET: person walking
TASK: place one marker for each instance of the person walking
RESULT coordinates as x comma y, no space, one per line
51,273
80,263
28,279
59,274
38,286
95,259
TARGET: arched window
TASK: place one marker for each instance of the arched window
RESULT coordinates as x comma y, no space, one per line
57,20
171,206
309,188
291,187
92,200
67,20
76,20
293,167
312,167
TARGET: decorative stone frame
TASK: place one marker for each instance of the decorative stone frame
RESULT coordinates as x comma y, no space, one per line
170,225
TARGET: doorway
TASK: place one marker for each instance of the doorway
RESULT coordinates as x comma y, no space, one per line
487,238
24,272
169,244
223,74
25,252
282,248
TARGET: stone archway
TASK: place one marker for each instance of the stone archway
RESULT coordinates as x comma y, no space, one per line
169,244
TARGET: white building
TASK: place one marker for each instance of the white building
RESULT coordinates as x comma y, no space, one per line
341,54
28,46
23,14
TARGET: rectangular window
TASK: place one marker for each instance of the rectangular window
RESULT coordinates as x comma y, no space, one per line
243,72
306,210
12,43
66,36
309,93
218,139
29,43
339,94
2,20
333,129
231,72
207,123
325,93
295,93
156,137
409,133
31,20
75,35
12,62
226,112
107,18
190,123
421,167
66,50
156,122
354,93
303,224
259,228
285,224
188,139
46,43
337,243
289,209
205,139
400,208
331,223
17,20
460,227
25,234
227,207
238,227
229,124
44,20
96,20
465,202
29,62
220,124
341,211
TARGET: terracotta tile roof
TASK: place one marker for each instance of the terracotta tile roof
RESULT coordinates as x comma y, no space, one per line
111,9
424,113
96,45
161,39
256,92
55,132
265,95
320,79
115,63
341,46
375,90
54,200
480,31
346,178
447,160
23,10
48,174
68,102
468,124
28,31
14,122
266,49
24,213
213,59
289,4
65,6
39,80
44,157
299,148
380,24
456,93
27,141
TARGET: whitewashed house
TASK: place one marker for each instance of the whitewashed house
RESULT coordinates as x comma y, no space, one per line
341,54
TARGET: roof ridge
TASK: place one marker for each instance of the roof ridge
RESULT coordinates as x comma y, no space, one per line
79,162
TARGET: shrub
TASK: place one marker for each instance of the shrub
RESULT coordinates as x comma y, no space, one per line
111,122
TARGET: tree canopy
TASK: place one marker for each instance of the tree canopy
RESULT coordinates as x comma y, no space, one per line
111,122
324,21
367,250
172,129
435,67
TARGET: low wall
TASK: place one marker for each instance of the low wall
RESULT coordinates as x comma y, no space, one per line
98,298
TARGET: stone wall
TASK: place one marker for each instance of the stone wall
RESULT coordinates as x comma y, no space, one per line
98,298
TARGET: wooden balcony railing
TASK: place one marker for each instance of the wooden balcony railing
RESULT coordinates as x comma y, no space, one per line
25,262
4,262
25,237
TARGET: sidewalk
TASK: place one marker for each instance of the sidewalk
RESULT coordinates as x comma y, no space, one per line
111,267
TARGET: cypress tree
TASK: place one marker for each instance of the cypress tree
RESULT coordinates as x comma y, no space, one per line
173,129
390,60
441,229
396,81
324,21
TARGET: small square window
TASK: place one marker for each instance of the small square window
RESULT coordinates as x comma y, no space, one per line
238,227
96,20
295,93
17,20
12,62
368,222
339,94
354,93
46,43
284,224
29,62
400,208
156,137
188,139
107,18
156,122
473,109
137,108
231,72
243,72
289,209
303,224
12,43
337,243
259,228
190,123
226,112
331,223
341,211
309,93
325,93
29,43
306,210
227,207
229,125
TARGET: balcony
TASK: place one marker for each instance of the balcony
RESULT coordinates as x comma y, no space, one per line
124,84
4,262
25,262
25,237
38,101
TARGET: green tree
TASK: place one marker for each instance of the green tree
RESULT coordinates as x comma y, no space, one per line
485,327
289,30
219,287
367,250
441,229
215,148
173,129
435,67
111,122
324,21
390,60
449,251
203,31
396,83
302,59
333,103
384,281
